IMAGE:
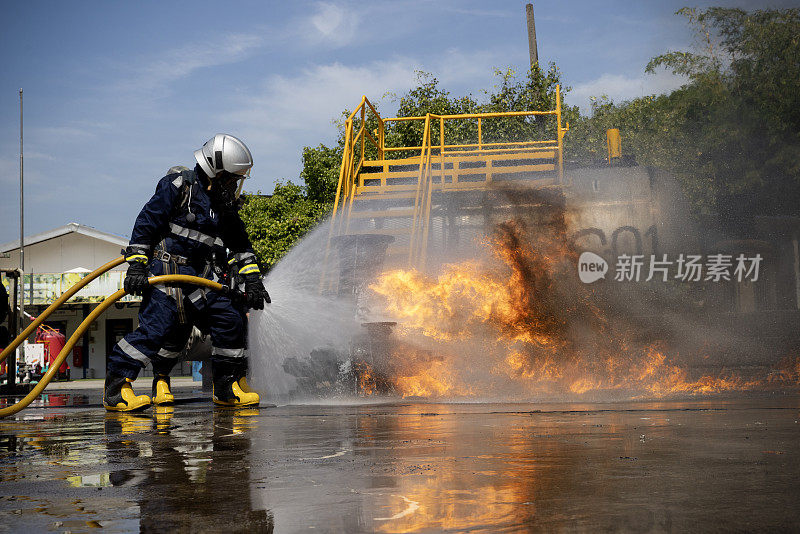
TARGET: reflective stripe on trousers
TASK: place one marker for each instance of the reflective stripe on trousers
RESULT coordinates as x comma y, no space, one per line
230,353
172,354
132,351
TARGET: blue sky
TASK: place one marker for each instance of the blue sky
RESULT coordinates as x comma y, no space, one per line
117,92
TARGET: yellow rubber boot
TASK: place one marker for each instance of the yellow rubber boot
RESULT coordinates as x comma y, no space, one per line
126,423
161,391
245,386
231,393
162,415
118,395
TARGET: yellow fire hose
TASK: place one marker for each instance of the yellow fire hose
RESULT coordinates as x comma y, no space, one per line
103,306
57,304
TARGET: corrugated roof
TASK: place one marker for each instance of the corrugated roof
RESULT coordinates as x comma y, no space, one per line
64,230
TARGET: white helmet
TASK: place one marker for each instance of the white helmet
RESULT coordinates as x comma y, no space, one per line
224,152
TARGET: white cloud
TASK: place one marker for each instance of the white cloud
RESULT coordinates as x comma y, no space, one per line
290,112
321,92
309,100
619,87
334,24
183,61
472,70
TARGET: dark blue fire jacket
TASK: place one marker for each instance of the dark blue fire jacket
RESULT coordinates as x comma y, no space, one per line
181,220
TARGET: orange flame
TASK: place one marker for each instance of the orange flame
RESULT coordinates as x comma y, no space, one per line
522,319
366,382
436,381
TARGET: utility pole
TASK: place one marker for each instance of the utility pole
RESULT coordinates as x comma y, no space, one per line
532,35
21,238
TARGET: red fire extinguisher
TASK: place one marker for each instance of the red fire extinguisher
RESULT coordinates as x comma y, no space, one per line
53,341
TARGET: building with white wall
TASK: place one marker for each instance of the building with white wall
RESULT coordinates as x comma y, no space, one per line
58,258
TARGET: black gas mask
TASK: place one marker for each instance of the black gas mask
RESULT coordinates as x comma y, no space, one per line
225,190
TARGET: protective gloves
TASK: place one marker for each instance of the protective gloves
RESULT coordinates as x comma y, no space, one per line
255,292
136,278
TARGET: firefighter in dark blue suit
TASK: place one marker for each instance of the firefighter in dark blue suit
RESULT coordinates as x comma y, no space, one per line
191,219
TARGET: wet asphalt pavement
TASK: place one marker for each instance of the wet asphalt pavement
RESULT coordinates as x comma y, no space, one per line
728,464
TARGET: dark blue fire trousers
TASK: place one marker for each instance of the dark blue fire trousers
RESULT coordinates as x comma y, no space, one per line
164,329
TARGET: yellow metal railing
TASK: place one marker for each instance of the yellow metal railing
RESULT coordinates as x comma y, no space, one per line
357,136
354,143
368,164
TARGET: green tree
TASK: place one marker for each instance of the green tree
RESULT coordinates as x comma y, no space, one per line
276,222
321,172
429,97
536,92
730,134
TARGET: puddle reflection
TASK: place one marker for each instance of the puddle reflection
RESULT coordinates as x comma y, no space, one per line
461,475
192,477
416,468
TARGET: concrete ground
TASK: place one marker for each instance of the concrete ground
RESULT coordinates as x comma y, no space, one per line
719,464
141,384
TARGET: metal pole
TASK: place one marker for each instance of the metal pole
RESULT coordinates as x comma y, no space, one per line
11,360
532,35
21,232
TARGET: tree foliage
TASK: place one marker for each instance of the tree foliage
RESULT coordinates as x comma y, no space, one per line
732,133
429,97
274,223
535,92
321,172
